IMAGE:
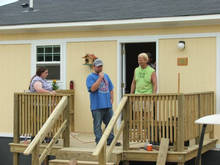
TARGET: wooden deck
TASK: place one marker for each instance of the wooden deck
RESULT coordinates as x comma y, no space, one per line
82,145
144,118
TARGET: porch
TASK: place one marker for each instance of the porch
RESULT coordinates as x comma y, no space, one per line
144,117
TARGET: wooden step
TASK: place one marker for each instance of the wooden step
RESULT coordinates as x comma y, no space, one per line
67,162
84,154
59,162
77,153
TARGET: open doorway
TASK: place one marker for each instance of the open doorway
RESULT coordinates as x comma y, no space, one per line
131,51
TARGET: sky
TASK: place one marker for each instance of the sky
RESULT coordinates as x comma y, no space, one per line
5,2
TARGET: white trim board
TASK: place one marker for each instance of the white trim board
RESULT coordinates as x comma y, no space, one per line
6,135
127,39
119,60
218,74
126,22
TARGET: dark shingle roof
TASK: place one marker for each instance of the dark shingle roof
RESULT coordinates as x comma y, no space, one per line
54,11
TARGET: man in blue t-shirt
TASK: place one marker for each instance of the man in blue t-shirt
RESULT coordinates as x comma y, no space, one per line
100,88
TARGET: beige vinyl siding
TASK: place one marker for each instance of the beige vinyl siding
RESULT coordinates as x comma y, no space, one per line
76,71
15,76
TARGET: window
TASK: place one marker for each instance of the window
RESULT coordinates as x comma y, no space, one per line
49,56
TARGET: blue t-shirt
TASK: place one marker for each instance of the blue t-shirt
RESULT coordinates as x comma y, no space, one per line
101,98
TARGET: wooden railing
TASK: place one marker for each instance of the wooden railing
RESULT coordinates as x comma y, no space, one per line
196,106
145,117
157,116
100,150
33,110
152,117
41,115
71,94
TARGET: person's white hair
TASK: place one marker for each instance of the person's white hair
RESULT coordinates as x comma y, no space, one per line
144,55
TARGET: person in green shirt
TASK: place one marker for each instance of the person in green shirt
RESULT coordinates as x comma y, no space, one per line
145,79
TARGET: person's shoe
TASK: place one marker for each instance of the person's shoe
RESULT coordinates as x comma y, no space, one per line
47,139
116,144
32,138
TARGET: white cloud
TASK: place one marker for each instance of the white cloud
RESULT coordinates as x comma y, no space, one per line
5,2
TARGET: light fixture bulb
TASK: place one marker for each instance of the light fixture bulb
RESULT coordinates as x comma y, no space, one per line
181,45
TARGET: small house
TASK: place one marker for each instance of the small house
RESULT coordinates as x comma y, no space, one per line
182,36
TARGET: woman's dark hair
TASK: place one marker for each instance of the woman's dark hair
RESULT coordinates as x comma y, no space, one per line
39,71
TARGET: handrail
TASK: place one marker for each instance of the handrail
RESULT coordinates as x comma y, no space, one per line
47,125
170,94
199,93
122,125
157,94
41,94
110,126
48,148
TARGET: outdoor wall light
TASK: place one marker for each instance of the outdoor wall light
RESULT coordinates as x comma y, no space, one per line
181,45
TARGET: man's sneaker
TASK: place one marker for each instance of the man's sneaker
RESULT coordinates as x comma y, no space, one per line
116,144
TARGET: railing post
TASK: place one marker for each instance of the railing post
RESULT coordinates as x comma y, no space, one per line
125,117
126,114
102,155
180,126
66,133
72,121
199,108
211,134
16,128
35,155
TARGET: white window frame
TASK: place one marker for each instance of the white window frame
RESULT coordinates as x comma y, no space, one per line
62,82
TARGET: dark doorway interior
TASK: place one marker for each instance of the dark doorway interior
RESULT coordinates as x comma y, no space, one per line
132,50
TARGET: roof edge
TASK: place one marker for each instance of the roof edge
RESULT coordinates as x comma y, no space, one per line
114,22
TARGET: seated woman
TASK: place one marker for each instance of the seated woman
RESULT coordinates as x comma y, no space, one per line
39,83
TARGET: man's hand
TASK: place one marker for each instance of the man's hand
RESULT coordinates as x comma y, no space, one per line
95,86
101,75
